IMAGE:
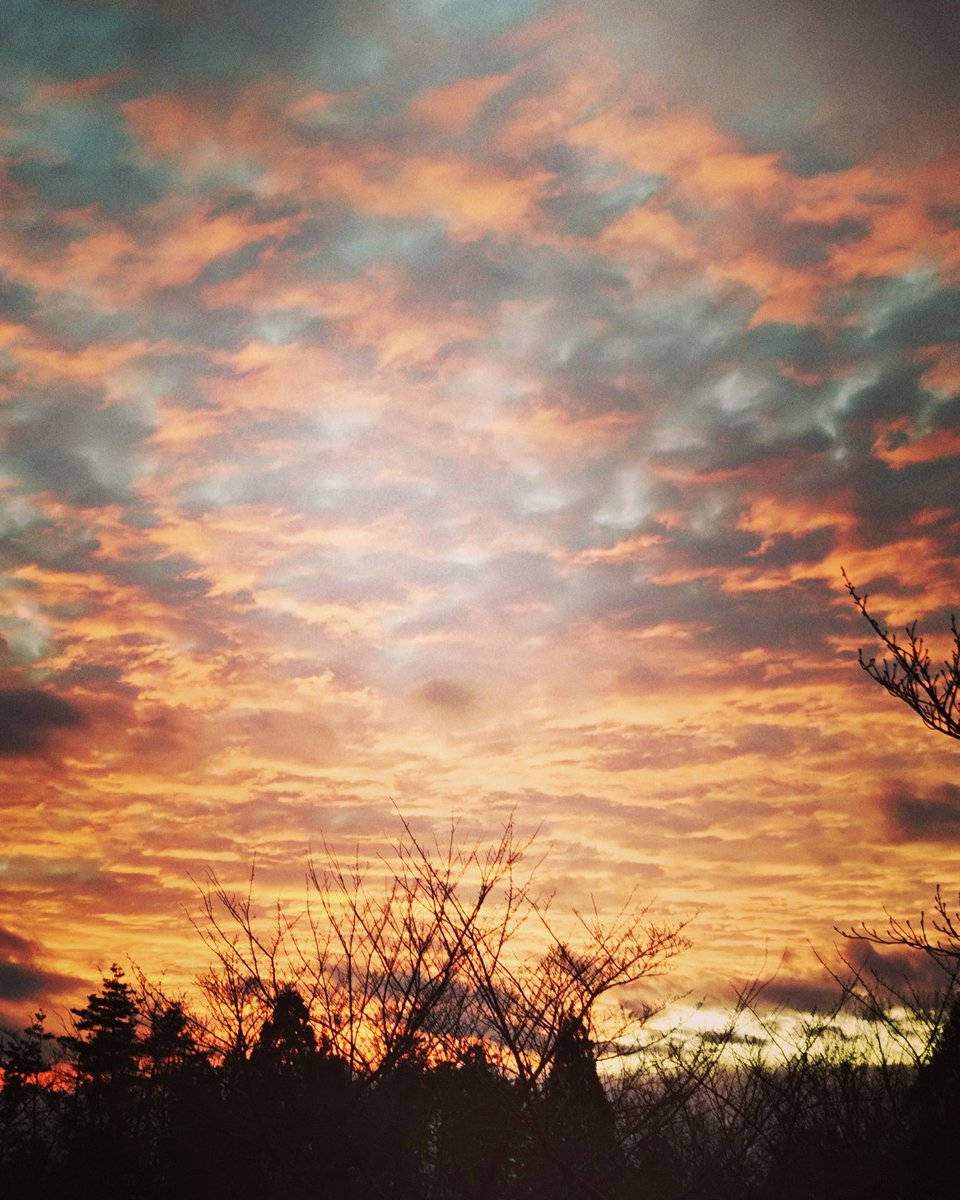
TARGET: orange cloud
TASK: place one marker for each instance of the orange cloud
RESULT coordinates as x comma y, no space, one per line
772,515
943,374
472,197
454,106
92,364
651,227
928,447
682,145
200,129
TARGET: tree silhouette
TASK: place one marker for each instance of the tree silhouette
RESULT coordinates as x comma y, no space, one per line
169,1052
294,1100
287,1043
908,674
105,1041
106,1118
22,1058
583,1157
181,1139
424,965
473,1128
783,1116
404,978
28,1108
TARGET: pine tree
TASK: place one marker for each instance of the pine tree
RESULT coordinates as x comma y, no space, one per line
106,1038
578,1117
287,1042
27,1104
22,1059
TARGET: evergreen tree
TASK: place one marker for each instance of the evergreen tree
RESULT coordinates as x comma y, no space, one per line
293,1097
475,1129
106,1121
185,1138
28,1107
287,1042
170,1053
578,1120
22,1058
106,1038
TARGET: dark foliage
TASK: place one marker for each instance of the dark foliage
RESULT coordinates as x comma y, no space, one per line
701,1120
394,1049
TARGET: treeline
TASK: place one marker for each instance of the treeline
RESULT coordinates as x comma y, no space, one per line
143,1106
138,1102
401,1042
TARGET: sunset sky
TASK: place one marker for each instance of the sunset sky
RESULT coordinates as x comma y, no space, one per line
455,408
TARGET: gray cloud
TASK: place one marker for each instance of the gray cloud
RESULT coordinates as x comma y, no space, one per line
231,266
827,82
21,975
446,695
931,816
931,320
770,741
17,300
181,314
897,966
65,40
180,377
801,995
60,545
75,445
20,982
29,717
115,185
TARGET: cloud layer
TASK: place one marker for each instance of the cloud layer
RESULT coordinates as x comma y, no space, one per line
468,407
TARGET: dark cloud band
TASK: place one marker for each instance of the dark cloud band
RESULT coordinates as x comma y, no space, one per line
28,717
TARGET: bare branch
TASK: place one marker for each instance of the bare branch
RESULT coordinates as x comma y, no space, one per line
907,674
428,965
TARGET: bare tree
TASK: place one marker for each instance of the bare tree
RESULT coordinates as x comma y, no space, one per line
771,1104
429,963
528,1003
937,935
908,674
934,695
250,966
439,963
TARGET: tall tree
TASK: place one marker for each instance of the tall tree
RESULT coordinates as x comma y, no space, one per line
27,1104
107,1119
578,1117
105,1040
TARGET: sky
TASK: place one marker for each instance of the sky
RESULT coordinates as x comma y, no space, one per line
446,410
